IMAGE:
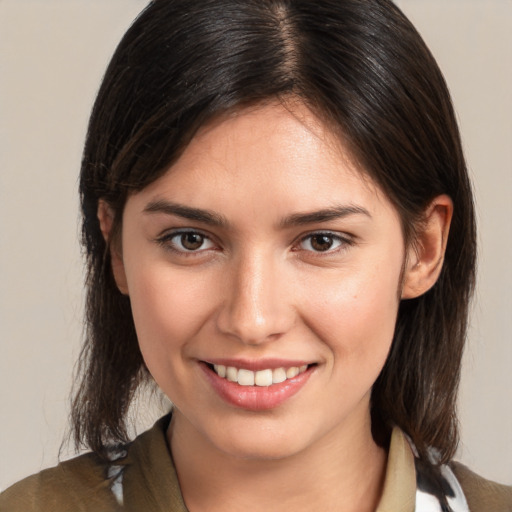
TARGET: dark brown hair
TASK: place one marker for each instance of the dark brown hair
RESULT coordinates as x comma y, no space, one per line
362,68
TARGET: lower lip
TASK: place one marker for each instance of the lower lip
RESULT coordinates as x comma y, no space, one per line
256,398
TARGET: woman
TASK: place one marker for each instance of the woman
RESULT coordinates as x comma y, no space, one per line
280,233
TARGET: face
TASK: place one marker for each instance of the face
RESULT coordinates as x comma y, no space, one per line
264,271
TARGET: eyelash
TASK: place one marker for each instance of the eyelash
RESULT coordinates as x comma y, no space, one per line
342,242
167,241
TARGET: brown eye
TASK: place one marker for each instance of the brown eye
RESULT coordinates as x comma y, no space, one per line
186,242
321,242
192,241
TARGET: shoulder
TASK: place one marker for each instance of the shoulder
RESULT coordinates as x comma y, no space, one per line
481,494
141,475
80,485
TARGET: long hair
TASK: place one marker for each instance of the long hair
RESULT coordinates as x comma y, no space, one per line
363,69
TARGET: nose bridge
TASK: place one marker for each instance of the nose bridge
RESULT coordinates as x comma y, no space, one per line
254,310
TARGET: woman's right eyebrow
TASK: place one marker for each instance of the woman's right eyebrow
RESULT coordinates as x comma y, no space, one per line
187,212
324,215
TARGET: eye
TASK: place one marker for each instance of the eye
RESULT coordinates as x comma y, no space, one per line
187,241
322,242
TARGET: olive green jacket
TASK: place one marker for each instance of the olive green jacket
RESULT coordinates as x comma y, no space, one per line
150,483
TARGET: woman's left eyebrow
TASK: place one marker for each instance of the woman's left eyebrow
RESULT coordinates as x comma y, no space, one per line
324,215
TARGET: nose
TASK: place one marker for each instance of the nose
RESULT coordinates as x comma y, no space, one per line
258,304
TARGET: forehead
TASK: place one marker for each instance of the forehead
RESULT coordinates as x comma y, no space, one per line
272,159
283,139
280,125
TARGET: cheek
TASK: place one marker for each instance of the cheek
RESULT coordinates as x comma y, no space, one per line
355,315
168,309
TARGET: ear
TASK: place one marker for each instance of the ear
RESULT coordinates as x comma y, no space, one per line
425,255
106,219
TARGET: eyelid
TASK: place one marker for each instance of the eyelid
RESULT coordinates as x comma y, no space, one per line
345,239
164,239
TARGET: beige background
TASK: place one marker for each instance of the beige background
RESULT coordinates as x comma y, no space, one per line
52,56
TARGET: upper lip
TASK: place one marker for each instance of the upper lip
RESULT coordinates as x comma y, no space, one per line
257,364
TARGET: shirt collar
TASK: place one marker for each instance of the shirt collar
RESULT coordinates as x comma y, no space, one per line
399,494
149,463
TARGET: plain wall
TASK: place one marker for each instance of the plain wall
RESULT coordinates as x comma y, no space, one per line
52,56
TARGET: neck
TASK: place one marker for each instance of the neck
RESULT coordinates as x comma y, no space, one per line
344,471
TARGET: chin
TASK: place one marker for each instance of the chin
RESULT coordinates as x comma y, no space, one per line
260,441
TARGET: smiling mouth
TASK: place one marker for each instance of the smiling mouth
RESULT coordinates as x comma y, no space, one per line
257,385
262,378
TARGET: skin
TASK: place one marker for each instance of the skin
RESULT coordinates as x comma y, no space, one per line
257,287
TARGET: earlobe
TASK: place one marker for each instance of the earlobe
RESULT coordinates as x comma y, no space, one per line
425,255
106,220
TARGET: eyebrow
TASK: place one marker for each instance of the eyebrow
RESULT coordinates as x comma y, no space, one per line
214,219
198,214
327,214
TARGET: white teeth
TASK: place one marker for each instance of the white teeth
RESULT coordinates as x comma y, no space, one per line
232,374
220,369
262,378
245,377
278,375
292,372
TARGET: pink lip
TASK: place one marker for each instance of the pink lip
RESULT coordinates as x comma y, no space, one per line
256,398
